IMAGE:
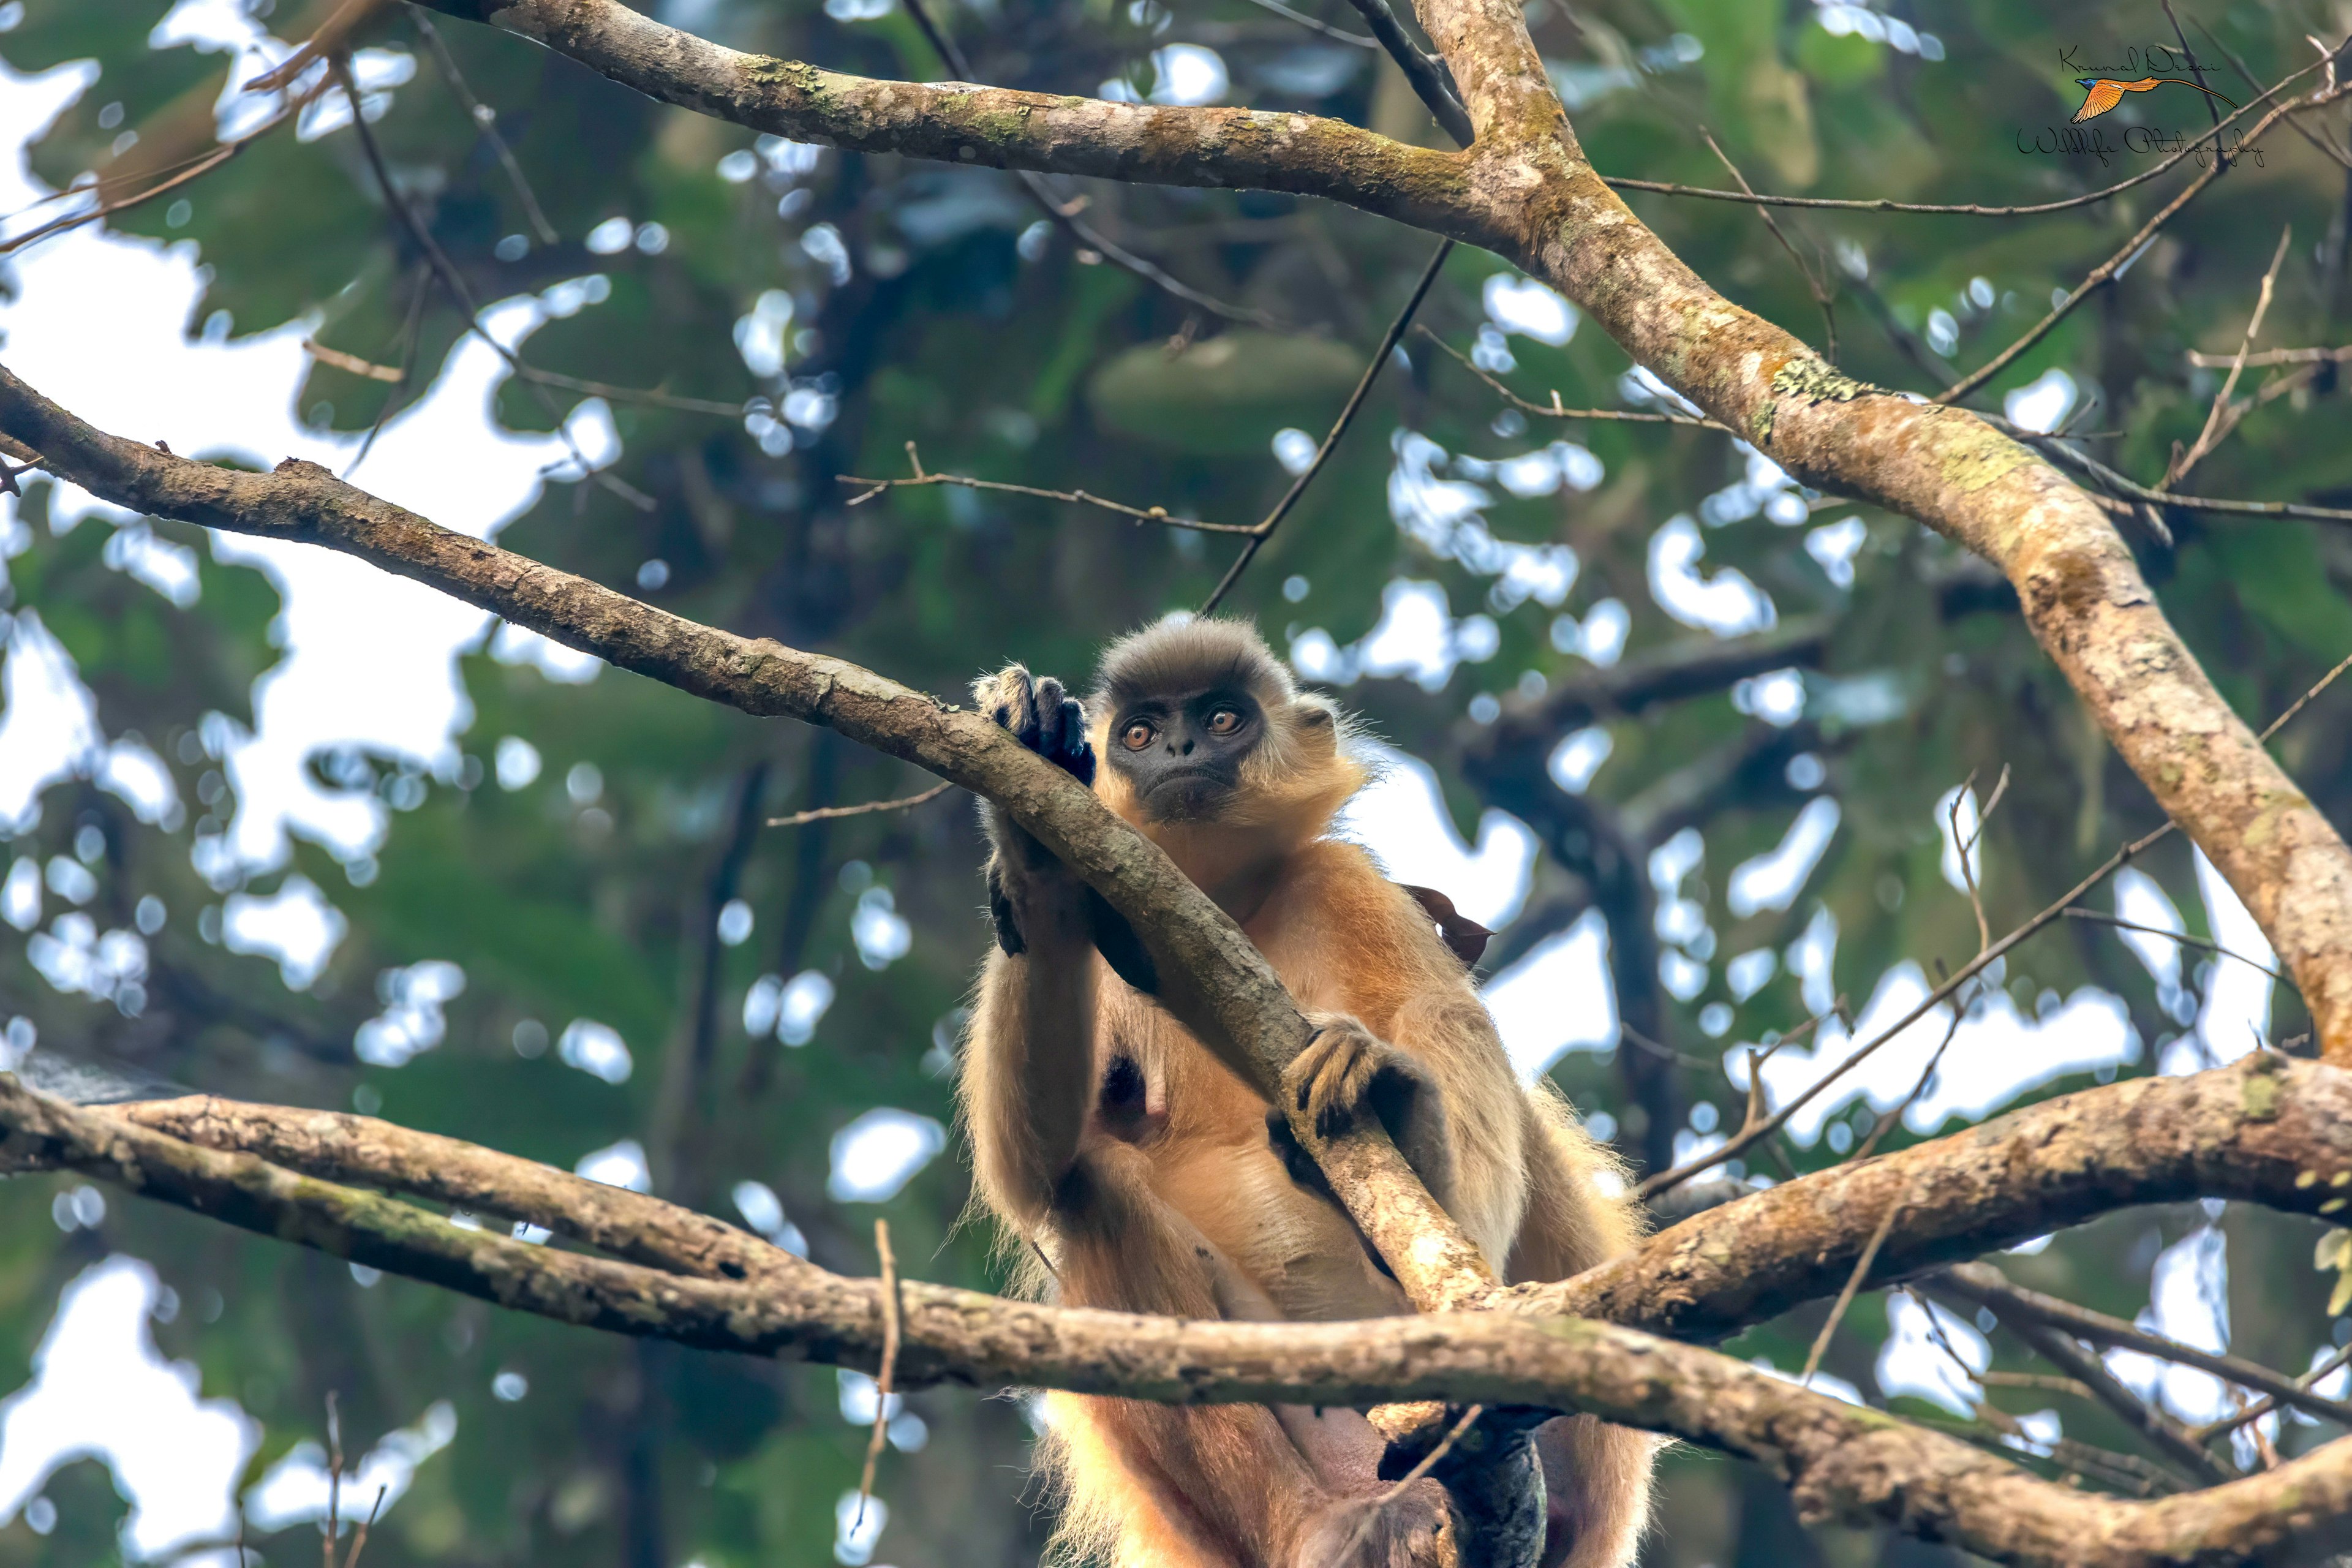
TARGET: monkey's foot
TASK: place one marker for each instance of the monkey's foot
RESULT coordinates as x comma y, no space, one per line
1041,717
1345,1067
1347,1070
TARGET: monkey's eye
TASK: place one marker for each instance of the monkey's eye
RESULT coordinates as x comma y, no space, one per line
1225,721
1136,735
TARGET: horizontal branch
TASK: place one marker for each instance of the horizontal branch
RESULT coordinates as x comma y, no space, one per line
2268,1129
991,127
1844,1462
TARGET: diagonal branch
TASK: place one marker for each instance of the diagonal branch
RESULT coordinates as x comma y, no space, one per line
1214,979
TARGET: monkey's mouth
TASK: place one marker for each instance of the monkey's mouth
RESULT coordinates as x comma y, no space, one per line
1187,793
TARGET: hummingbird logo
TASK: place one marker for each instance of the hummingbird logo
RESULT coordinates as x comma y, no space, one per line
2103,93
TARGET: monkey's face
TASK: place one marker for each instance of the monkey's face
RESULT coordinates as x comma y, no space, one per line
1182,754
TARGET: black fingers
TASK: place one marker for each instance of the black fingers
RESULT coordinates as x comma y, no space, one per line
1045,718
1062,730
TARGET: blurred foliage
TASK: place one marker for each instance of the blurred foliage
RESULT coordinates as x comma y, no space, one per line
879,302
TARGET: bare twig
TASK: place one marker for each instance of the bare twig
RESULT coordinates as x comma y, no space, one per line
2327,144
486,121
1314,24
1421,1467
2084,464
1814,284
334,1483
2220,420
1945,209
408,342
2096,917
2268,1402
2170,1438
1933,999
351,364
2300,703
2273,357
890,1334
455,282
865,808
1272,519
1988,1286
332,39
360,1536
1886,1123
2108,270
952,54
1554,410
1845,1296
921,477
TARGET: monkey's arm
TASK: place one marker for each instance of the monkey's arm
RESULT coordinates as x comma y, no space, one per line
1029,1069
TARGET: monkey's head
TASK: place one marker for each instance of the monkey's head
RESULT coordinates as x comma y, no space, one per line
1199,725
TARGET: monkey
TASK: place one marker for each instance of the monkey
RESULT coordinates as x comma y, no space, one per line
1130,1165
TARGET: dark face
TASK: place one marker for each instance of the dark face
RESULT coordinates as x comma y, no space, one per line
1183,753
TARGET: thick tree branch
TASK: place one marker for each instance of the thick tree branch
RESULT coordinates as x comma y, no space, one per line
1230,982
1842,1462
2268,1129
991,127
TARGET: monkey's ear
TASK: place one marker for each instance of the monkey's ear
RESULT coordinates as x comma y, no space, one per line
1317,720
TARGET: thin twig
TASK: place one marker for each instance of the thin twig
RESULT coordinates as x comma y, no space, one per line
828,813
1314,24
408,344
2272,357
334,1483
951,54
2268,1402
2122,924
890,1330
921,477
1265,529
1985,1284
1934,998
1804,268
2170,1437
486,121
1962,845
2084,464
1945,209
1426,1463
2108,270
360,1536
2215,430
1555,410
451,279
1845,1296
2300,703
2326,145
1886,1123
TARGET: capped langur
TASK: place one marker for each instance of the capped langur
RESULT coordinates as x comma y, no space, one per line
1118,1141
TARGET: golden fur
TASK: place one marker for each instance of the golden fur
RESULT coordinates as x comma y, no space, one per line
1117,1138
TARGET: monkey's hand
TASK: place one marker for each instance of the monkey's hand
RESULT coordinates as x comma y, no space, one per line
1050,722
1344,1071
1414,1529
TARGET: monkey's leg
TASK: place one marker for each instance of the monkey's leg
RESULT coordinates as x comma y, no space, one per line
1596,1478
1228,1475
